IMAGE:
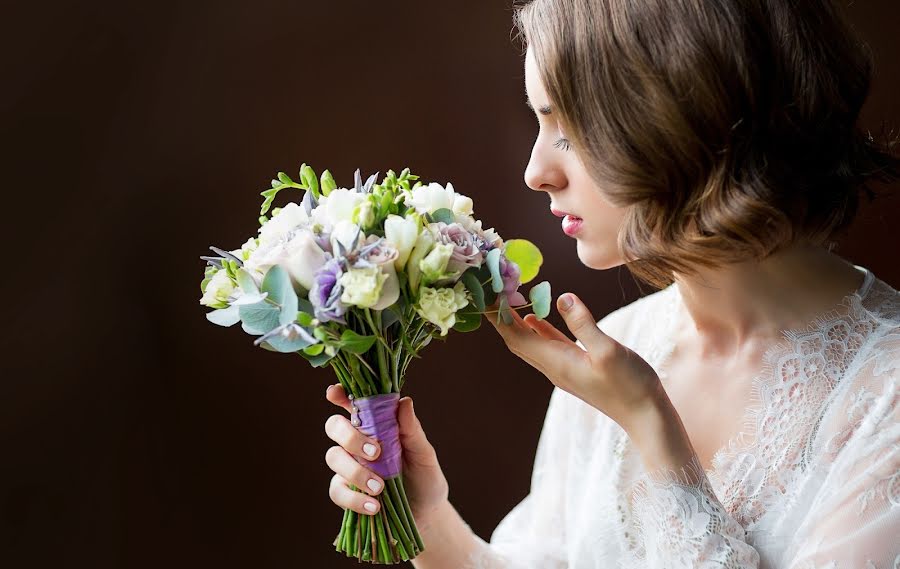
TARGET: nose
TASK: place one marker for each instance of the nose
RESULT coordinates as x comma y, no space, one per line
543,174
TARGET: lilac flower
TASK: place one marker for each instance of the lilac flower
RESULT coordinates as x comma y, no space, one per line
467,250
509,273
326,291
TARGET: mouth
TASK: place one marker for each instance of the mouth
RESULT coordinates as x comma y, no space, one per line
570,224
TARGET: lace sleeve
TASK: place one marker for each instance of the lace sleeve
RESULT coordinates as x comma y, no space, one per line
532,535
681,524
854,518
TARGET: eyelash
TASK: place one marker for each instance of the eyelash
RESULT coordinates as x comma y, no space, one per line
562,143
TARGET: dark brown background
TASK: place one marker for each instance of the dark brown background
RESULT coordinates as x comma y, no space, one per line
134,433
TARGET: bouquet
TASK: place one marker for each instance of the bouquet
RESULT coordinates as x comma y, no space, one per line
362,279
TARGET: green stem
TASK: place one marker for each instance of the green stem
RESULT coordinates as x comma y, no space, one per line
405,516
398,528
406,505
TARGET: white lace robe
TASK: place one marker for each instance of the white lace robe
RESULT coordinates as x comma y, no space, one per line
811,481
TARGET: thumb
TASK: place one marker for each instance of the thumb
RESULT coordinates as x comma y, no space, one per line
581,322
412,436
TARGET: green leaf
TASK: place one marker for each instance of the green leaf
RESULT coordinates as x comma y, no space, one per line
540,299
467,319
526,255
304,319
327,183
314,350
444,215
224,316
353,342
470,279
493,263
316,361
309,180
259,318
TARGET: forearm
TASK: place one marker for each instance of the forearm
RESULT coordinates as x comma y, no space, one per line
448,540
661,439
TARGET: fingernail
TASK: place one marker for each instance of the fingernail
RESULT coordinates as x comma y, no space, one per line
371,506
373,485
369,449
565,302
327,389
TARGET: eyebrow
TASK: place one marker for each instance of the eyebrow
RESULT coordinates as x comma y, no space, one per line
545,110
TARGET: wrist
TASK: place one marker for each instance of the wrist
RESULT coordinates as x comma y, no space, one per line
659,435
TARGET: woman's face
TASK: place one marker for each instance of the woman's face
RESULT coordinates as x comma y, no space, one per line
592,221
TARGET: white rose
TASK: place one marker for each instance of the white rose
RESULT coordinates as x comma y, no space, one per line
439,306
217,291
362,287
287,219
401,233
337,206
301,257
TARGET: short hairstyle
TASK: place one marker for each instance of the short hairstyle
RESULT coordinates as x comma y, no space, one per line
728,127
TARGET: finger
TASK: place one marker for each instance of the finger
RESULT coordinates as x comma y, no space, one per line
342,463
340,493
336,394
545,329
339,429
582,324
416,446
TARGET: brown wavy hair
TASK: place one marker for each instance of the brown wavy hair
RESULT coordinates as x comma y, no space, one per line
729,128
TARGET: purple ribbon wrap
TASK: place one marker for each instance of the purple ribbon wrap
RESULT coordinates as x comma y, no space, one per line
376,417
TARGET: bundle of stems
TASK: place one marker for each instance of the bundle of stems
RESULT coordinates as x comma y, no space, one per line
390,535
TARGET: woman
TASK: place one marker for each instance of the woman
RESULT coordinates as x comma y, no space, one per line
745,415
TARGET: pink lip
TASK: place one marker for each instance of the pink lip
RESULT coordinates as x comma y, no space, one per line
571,225
558,213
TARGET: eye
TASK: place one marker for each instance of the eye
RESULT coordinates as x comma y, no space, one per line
562,143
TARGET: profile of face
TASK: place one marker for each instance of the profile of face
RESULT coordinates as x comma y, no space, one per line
555,168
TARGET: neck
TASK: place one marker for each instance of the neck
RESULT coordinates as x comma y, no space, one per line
734,305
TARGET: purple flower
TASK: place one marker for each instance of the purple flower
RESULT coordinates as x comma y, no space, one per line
325,294
509,273
467,251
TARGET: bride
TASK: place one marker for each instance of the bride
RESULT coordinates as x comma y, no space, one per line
746,413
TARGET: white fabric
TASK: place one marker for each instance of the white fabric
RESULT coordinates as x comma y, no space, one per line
811,481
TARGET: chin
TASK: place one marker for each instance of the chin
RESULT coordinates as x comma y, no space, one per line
599,256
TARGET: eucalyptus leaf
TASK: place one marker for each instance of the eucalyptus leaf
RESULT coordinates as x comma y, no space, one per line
353,342
224,316
246,282
526,255
389,317
493,263
504,311
540,299
467,319
444,215
277,283
251,298
288,345
305,305
470,279
288,306
259,318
